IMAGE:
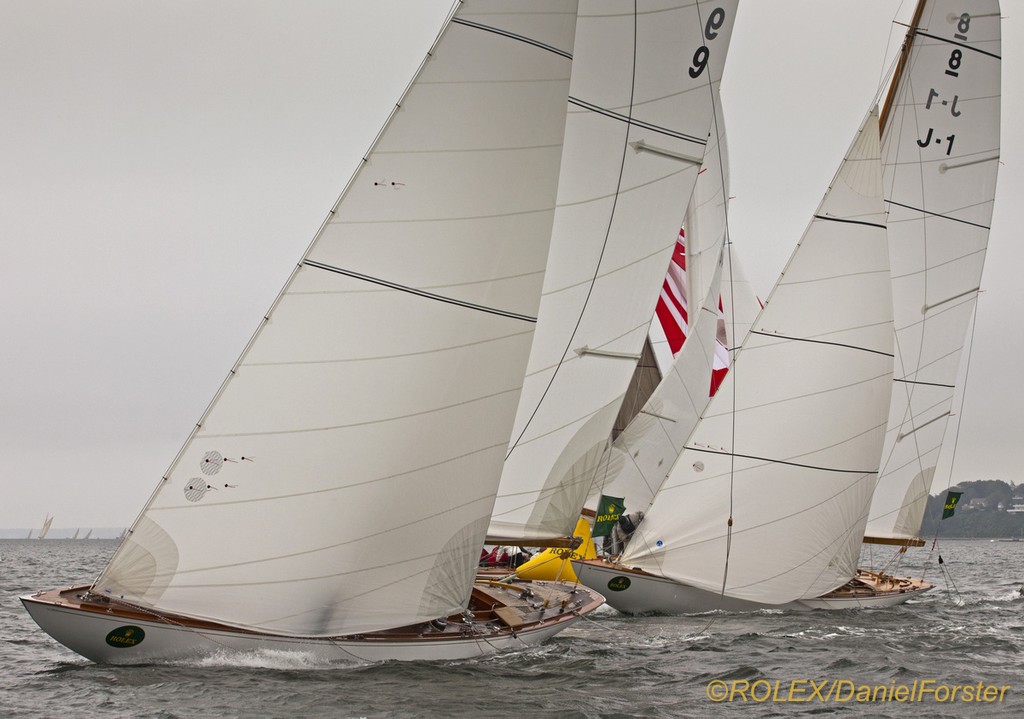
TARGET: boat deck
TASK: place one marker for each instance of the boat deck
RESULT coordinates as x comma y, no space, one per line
495,606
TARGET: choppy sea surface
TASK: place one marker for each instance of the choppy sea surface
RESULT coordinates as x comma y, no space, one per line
969,630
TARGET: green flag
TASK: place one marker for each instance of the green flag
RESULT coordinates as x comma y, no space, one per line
952,498
608,511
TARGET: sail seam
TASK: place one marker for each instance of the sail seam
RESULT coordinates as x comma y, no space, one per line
820,342
937,214
419,293
780,461
513,36
632,121
852,222
958,44
927,384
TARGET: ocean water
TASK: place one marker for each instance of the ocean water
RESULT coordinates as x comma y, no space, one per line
967,631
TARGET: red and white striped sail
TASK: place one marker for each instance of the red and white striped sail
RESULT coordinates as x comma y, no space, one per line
673,315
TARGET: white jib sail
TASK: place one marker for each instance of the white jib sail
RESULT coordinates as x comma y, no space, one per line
643,80
788,448
940,157
642,455
342,479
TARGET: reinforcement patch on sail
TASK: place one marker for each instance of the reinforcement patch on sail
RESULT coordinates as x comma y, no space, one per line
448,582
144,565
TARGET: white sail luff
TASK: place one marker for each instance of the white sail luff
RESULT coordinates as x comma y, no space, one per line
940,151
637,114
369,417
787,450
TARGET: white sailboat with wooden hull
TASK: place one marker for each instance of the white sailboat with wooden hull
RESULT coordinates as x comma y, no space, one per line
938,191
334,496
634,591
766,503
940,158
501,616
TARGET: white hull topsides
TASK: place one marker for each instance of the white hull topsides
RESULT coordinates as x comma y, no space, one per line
507,616
633,591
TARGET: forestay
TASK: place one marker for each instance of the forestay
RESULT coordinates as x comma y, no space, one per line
643,80
940,156
342,479
788,449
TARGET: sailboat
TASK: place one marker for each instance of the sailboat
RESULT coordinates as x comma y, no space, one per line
761,507
75,535
868,588
940,155
45,529
335,494
88,534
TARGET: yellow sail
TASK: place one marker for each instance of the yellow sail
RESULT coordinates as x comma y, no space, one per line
554,564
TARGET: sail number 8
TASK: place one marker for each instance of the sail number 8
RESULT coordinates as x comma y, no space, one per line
700,58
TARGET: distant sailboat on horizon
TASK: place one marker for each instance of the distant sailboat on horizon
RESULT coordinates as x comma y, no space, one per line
45,528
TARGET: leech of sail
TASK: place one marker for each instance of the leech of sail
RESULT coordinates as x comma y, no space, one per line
852,222
937,214
633,121
514,36
419,293
724,453
820,342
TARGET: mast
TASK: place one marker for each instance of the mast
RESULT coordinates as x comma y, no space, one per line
901,66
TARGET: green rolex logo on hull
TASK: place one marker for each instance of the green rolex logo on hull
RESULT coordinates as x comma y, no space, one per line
619,584
124,637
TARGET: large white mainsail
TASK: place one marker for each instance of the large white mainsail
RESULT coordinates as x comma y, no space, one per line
940,153
642,89
342,479
775,481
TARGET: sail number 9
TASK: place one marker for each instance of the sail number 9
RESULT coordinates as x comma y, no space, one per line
700,58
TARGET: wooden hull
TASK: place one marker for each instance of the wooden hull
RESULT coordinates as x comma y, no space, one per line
869,590
504,617
633,591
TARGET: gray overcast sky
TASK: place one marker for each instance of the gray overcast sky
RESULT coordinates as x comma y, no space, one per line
165,164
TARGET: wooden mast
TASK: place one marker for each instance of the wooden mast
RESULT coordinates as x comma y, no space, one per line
900,66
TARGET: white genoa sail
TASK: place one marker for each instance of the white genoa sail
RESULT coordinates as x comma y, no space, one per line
940,158
642,455
787,451
342,479
642,86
